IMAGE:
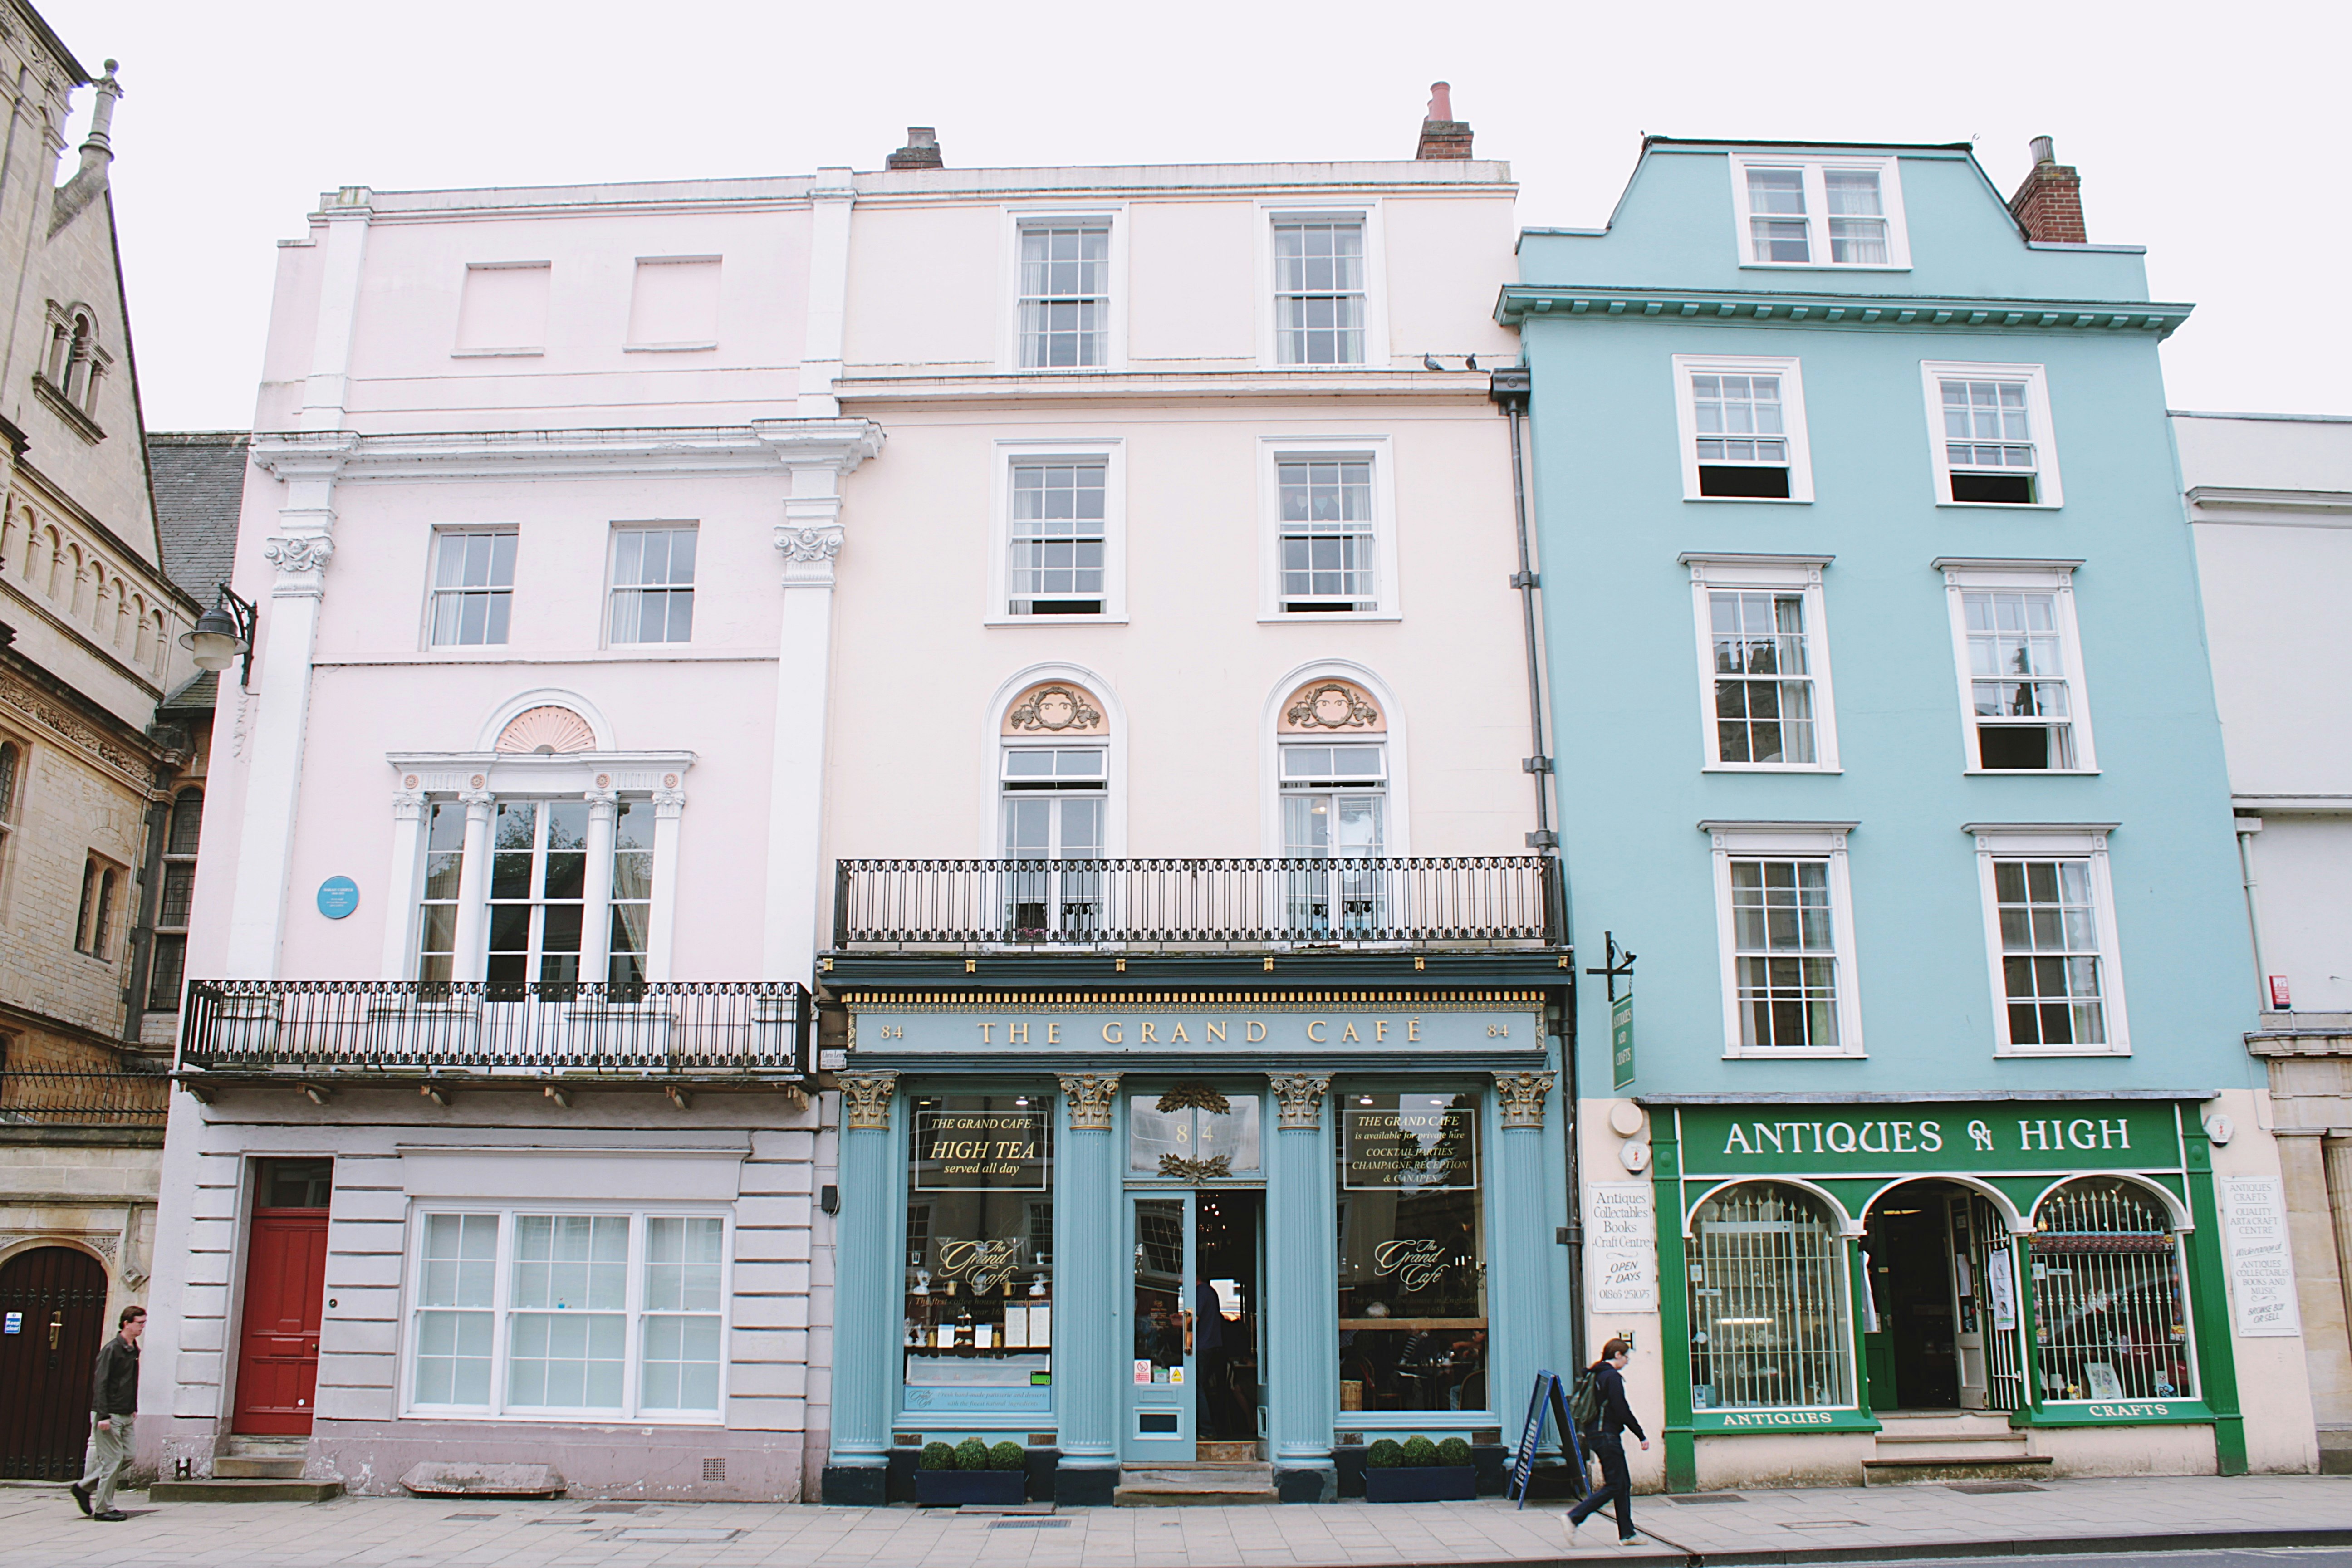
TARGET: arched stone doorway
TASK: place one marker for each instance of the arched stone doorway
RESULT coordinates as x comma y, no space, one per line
1939,1325
54,1299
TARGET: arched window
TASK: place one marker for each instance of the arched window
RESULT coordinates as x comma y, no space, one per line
2110,1303
1769,1313
80,604
170,963
139,632
1332,744
157,649
1053,776
12,774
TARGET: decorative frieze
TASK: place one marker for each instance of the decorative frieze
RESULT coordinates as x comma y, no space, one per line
866,1100
1523,1097
1301,1094
1089,1095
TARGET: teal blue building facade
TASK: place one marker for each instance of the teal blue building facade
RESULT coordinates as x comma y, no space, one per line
1885,737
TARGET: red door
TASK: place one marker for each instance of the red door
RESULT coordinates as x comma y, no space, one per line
285,1287
54,1300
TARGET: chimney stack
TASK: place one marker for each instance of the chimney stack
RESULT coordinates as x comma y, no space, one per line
921,151
1442,135
2049,204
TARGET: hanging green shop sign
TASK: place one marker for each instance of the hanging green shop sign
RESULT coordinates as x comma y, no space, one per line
1985,1137
1621,1040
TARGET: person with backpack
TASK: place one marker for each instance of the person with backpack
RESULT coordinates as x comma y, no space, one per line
1601,1392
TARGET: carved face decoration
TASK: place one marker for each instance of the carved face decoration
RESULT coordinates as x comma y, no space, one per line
1056,709
1331,707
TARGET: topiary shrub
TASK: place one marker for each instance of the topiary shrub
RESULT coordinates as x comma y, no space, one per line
1420,1452
1007,1456
1453,1451
936,1456
971,1454
1385,1454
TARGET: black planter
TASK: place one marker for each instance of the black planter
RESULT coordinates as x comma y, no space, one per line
1421,1483
952,1489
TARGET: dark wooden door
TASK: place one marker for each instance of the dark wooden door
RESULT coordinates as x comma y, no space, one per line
278,1349
55,1302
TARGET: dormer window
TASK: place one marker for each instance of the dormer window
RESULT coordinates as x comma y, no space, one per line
1836,212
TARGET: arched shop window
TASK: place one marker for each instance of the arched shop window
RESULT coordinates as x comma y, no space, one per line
1769,1315
2110,1304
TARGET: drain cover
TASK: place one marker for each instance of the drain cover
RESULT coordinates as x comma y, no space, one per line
1984,1489
470,1518
612,1508
1707,1497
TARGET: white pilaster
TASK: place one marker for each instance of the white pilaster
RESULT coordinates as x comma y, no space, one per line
347,213
300,550
597,937
670,805
828,294
400,878
473,956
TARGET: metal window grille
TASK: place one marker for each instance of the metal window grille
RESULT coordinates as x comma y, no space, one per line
1740,420
1857,220
1986,425
1769,1303
1318,297
1763,681
1785,953
1979,1234
1776,215
473,587
1057,537
2017,673
1065,296
652,585
2050,953
2110,1304
1328,533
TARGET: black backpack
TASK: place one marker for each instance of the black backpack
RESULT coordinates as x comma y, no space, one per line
1584,1402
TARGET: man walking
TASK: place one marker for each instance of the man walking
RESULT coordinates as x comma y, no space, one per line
1607,1438
115,1402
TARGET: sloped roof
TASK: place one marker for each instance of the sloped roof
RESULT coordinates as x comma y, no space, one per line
199,480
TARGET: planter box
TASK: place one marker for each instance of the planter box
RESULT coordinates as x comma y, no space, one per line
1421,1483
952,1489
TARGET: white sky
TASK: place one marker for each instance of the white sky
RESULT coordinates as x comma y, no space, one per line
2203,130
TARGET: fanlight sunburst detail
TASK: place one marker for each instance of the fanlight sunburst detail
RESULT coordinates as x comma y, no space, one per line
547,730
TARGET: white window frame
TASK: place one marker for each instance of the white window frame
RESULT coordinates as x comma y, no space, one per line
1376,282
502,1309
1273,452
1824,841
614,588
1817,211
433,591
2049,494
1790,370
1711,573
1111,216
1112,454
2053,577
1998,842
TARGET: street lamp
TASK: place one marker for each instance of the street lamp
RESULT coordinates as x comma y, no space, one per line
223,633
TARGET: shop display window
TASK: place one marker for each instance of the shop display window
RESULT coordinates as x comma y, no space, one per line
1768,1317
1412,1272
2110,1308
980,1236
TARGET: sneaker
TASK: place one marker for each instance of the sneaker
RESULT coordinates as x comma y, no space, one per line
111,1516
1574,1525
80,1496
1629,1541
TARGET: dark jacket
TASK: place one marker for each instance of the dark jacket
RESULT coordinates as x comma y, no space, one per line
114,1386
1616,1415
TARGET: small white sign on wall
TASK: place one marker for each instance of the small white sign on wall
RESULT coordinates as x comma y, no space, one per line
1621,1247
2262,1269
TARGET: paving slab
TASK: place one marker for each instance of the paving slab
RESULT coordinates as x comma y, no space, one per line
39,1526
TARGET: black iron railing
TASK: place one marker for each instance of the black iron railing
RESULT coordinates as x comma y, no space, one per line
114,1098
1476,900
410,1025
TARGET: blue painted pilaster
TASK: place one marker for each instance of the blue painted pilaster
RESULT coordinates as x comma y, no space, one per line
865,1317
1302,1291
1090,1274
1522,1175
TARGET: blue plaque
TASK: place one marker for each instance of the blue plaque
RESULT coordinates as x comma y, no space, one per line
338,896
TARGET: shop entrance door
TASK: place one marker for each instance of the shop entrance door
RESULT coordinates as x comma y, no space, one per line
1227,1327
1160,1427
1912,1346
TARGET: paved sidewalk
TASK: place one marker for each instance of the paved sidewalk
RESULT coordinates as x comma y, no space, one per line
1811,1525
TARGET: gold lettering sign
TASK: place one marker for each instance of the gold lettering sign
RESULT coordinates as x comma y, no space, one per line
1003,1150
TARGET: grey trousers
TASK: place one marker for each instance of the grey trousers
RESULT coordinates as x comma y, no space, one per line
110,1450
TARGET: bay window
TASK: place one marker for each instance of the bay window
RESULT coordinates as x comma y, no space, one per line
602,1315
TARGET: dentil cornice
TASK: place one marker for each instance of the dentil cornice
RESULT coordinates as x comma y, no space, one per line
764,446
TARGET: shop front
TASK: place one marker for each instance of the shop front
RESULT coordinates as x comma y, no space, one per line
1132,1231
2016,1285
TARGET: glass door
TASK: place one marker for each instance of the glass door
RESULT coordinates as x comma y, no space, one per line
1159,1425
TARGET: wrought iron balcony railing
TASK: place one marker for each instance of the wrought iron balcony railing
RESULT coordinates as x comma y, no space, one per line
751,1028
124,1098
1467,900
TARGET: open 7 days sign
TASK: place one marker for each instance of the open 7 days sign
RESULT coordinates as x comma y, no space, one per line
1997,1135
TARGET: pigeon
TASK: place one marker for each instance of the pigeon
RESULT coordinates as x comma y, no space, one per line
1470,362
1428,361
